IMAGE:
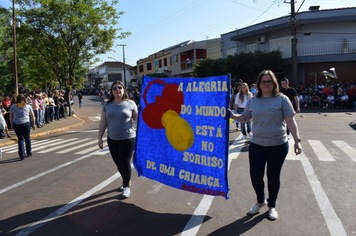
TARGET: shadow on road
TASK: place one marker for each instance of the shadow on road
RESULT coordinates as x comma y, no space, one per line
353,124
240,226
99,215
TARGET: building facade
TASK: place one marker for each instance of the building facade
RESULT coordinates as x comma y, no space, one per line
185,57
105,74
325,39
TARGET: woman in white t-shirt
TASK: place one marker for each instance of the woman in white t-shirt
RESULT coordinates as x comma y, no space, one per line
240,103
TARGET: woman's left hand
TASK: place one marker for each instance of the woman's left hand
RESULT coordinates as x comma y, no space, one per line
297,148
231,114
33,127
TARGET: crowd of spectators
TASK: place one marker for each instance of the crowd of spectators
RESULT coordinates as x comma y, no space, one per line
48,106
334,95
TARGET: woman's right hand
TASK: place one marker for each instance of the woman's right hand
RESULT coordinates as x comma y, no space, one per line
100,143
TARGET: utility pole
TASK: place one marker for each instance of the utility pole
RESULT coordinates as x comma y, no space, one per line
15,59
294,44
123,53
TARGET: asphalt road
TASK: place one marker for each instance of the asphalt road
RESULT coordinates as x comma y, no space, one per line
68,188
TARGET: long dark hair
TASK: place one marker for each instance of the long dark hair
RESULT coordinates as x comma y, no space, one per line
20,101
236,90
275,91
125,96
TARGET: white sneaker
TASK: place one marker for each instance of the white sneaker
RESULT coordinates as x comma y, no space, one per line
272,213
249,134
243,136
126,192
255,209
122,186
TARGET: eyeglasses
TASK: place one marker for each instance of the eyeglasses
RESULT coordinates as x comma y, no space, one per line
266,82
118,87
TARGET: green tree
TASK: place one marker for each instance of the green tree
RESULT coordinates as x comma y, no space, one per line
68,34
245,66
6,53
209,67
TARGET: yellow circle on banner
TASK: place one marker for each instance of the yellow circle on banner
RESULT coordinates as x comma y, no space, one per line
179,133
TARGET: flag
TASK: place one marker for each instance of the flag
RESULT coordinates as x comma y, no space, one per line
183,133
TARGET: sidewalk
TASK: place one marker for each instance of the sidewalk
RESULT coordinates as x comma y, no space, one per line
54,127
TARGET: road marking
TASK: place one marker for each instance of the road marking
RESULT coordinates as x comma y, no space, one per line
65,208
79,146
41,144
68,206
85,131
346,149
235,147
44,173
333,222
95,118
102,152
90,149
53,144
320,151
64,145
15,146
198,216
291,155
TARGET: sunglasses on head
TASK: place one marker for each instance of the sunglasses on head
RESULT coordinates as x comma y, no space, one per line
118,87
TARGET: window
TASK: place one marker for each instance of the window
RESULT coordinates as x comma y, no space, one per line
165,62
115,77
175,59
149,66
160,63
283,44
140,68
230,51
252,47
200,55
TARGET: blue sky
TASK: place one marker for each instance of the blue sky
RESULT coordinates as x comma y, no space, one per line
158,24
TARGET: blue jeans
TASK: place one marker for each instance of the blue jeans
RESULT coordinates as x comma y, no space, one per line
51,113
2,133
41,117
23,135
80,103
274,156
37,116
243,125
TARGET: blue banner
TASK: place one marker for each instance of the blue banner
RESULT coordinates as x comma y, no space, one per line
183,133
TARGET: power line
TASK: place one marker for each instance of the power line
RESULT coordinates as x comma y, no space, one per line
166,22
231,20
274,2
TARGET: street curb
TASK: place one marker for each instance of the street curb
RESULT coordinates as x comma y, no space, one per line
82,122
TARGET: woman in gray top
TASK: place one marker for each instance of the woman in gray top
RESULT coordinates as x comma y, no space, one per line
20,114
271,112
117,115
